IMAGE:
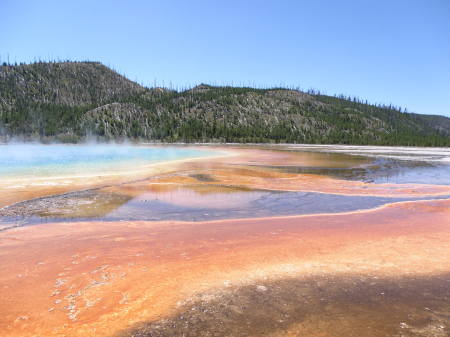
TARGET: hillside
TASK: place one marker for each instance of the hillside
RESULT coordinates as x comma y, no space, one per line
72,100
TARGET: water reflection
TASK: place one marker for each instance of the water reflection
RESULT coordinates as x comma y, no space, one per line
381,170
187,203
384,164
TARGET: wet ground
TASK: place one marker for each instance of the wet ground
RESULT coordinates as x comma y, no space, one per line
385,164
186,203
381,171
259,243
109,277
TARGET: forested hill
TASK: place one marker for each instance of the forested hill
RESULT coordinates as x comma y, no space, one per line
69,101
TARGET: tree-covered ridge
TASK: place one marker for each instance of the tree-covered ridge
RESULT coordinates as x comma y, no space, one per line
73,100
66,83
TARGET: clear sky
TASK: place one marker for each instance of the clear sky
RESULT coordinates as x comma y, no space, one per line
387,51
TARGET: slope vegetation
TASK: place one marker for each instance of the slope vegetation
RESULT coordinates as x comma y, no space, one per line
70,101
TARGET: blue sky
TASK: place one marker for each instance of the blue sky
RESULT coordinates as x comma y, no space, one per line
385,51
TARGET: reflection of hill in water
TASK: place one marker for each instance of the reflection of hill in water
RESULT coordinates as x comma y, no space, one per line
207,199
187,203
400,165
382,170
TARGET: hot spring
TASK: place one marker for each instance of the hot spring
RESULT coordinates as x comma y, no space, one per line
37,160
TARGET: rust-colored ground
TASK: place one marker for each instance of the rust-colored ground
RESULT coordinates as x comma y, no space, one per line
238,167
101,278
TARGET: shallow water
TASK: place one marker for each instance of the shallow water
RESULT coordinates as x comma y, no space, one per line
206,200
381,171
190,205
398,165
185,203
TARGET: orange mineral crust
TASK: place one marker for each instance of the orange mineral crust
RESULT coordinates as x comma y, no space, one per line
261,179
253,168
98,278
243,167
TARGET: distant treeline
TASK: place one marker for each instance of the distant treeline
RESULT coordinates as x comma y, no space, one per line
69,101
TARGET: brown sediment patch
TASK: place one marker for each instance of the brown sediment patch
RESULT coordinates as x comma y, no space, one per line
344,305
80,279
203,177
83,204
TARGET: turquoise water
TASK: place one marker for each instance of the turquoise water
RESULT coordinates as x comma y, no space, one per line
44,160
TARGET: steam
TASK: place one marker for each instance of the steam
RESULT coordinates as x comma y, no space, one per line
36,159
